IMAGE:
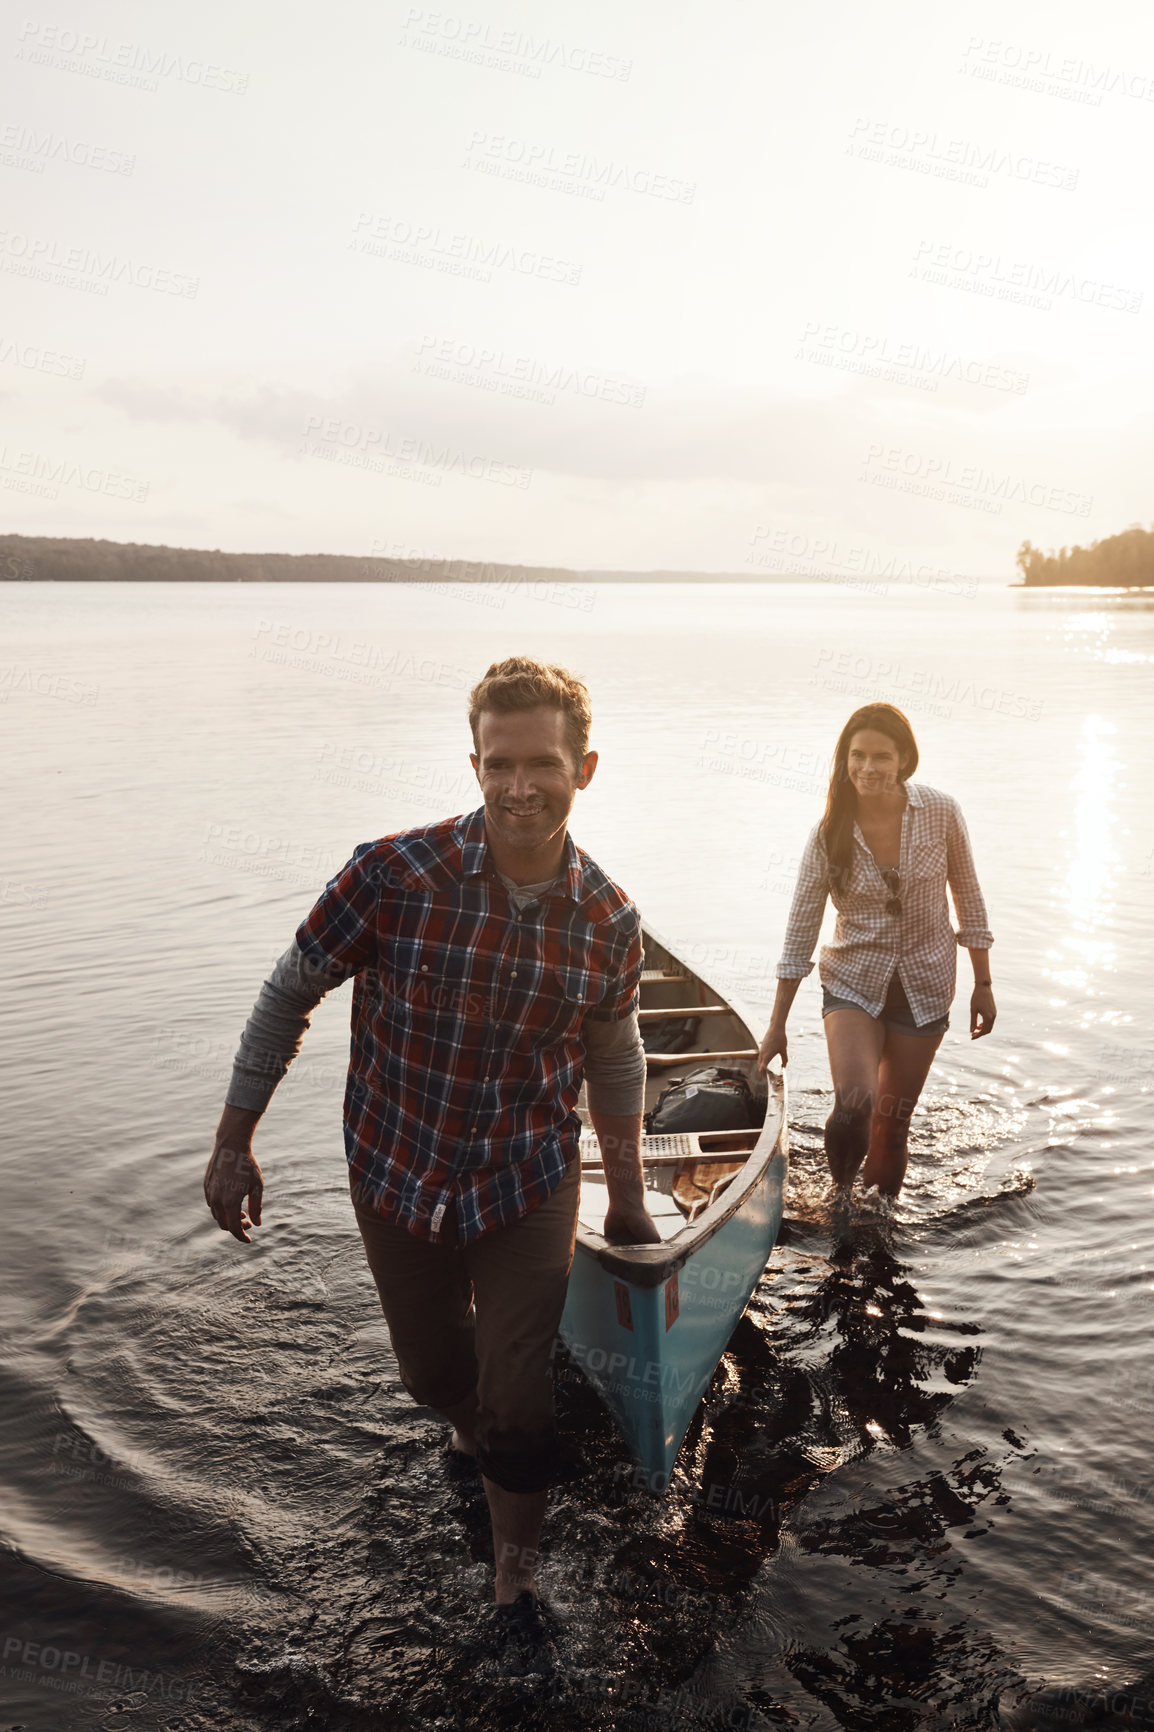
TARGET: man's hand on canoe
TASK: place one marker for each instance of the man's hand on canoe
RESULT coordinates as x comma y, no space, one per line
627,1220
632,1225
232,1176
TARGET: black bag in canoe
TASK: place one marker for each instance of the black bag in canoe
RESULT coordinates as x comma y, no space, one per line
706,1099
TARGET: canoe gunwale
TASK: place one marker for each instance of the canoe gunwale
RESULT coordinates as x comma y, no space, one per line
651,1265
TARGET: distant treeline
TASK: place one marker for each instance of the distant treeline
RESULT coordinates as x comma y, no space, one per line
1120,560
57,559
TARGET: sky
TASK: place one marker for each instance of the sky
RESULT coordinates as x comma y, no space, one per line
740,288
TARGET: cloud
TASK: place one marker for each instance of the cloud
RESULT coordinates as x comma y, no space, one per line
897,469
680,433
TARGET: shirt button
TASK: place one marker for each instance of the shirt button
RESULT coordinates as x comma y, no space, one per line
424,968
513,974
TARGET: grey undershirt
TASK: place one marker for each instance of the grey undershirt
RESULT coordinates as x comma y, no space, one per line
614,1056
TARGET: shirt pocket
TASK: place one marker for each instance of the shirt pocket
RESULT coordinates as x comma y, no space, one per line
927,862
566,994
433,986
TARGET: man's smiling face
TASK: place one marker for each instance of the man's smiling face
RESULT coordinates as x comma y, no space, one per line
524,763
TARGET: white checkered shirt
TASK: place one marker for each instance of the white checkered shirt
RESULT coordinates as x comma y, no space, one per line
869,944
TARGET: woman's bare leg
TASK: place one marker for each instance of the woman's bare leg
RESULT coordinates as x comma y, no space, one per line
855,1040
905,1065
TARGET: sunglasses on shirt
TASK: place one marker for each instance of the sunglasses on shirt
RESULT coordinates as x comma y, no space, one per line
893,884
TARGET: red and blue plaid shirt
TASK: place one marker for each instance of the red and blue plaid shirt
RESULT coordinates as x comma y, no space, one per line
467,1054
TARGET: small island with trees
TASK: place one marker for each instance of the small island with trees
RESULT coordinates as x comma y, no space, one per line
1124,561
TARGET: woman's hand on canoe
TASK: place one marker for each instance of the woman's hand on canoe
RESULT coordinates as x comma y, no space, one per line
773,1045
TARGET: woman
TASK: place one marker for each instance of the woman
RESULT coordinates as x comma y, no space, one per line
884,852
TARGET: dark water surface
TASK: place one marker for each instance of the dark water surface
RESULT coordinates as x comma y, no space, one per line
918,1494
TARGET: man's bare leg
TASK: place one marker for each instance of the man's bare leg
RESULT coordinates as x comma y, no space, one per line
463,1419
517,1520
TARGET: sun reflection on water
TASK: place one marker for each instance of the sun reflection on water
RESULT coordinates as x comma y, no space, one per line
1098,625
1089,879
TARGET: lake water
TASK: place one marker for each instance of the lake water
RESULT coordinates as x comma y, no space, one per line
920,1491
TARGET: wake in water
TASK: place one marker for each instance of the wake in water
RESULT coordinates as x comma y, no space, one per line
956,1149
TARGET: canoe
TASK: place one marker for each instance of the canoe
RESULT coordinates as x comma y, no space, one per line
648,1323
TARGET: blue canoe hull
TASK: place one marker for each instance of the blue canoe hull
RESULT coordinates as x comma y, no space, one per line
650,1351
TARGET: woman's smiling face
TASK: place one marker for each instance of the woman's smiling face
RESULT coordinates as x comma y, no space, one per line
873,763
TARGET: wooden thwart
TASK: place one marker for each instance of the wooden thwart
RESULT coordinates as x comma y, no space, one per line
671,1058
738,1156
660,1015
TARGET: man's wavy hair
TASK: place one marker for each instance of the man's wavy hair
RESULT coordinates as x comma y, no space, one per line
520,683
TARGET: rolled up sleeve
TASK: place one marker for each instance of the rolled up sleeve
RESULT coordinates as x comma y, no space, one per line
614,1066
969,903
806,912
337,939
274,1031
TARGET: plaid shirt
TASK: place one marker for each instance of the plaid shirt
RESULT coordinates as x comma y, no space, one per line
467,1053
869,944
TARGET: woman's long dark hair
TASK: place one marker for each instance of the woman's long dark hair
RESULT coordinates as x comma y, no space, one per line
836,827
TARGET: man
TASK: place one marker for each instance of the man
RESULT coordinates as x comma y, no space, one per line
495,965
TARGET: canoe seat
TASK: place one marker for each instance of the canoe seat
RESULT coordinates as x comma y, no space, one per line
680,1010
651,976
680,1146
670,1149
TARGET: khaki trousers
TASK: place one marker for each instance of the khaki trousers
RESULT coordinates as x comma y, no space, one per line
483,1318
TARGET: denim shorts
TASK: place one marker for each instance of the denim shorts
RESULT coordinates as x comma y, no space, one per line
895,1012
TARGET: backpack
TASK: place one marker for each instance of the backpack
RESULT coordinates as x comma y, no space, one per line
706,1099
